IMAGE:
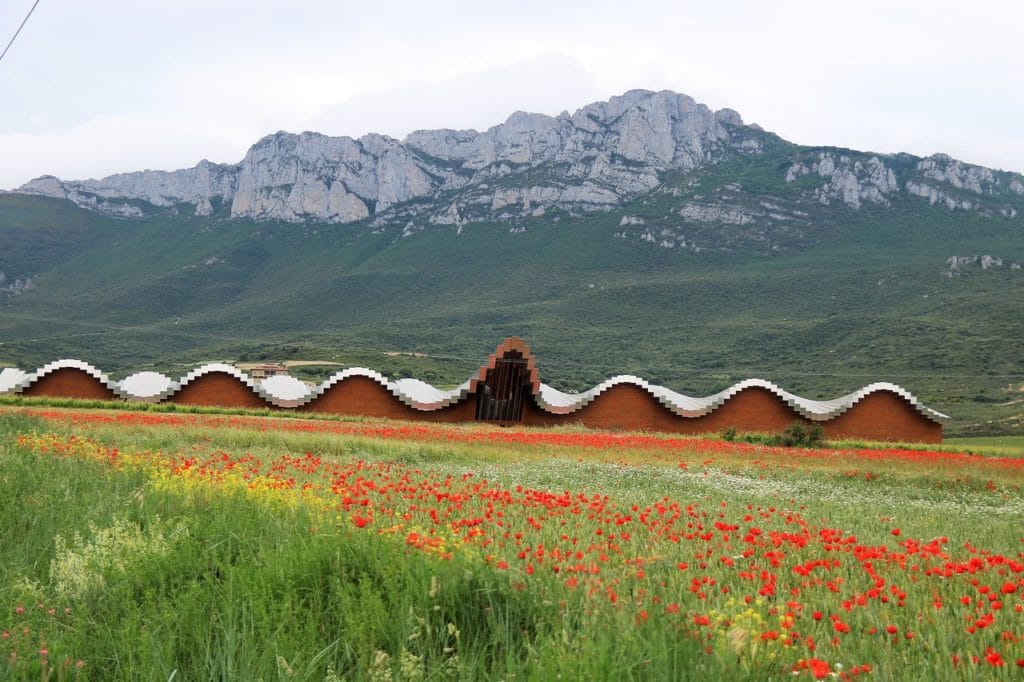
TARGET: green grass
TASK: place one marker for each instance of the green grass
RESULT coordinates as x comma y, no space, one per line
169,576
246,593
1011,445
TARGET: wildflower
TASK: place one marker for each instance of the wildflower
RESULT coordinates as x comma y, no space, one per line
818,668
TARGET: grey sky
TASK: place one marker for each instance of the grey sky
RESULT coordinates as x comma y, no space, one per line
107,86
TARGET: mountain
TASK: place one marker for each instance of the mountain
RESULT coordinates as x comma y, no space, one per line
646,234
596,159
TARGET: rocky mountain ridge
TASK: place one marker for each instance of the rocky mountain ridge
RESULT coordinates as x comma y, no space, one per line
600,158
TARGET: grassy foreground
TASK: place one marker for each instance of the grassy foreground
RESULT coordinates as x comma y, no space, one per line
174,546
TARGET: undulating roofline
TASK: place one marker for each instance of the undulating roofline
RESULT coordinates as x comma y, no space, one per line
289,393
558,402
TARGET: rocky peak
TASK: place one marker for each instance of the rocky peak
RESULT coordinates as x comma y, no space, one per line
595,159
729,117
961,176
663,129
333,179
612,150
449,145
958,186
46,185
847,179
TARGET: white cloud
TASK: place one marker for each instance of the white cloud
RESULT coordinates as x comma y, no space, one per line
95,88
548,83
111,144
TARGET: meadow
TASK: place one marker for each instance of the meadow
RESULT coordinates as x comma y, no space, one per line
186,546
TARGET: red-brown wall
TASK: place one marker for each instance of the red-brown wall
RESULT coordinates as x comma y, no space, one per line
69,382
880,416
364,397
218,389
632,408
884,416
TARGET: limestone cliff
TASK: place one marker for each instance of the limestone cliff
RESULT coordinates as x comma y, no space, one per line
596,159
604,152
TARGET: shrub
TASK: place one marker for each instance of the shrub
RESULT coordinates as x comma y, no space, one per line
800,435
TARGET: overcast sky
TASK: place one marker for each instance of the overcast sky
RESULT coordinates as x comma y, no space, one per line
93,88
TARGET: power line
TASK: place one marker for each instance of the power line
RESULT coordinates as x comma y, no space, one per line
23,22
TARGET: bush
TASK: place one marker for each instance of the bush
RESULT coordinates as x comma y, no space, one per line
729,434
801,435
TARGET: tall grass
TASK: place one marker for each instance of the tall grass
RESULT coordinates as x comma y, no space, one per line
130,579
254,592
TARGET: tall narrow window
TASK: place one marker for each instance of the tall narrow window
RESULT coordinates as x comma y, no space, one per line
501,396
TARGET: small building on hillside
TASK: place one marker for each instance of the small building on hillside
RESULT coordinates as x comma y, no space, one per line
267,370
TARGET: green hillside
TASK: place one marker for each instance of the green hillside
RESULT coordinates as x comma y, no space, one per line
851,297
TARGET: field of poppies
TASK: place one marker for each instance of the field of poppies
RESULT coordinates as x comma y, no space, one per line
190,546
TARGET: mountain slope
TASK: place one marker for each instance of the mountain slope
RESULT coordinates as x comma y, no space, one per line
725,254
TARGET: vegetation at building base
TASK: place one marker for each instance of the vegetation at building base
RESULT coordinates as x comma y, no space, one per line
245,549
796,434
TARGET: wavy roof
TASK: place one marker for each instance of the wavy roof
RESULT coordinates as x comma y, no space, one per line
557,402
148,386
417,394
288,392
10,377
49,368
